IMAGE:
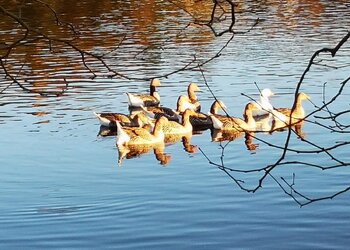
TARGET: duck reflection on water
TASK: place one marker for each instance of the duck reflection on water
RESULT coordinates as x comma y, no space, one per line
134,151
296,129
231,135
218,135
185,140
106,131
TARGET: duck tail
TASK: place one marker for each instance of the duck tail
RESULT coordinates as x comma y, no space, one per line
133,100
103,121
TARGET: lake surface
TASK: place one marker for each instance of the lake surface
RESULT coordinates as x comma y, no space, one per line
60,182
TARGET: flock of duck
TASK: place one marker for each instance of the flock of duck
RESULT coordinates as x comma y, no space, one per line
150,125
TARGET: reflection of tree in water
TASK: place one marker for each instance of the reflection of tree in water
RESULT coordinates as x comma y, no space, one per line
37,35
39,46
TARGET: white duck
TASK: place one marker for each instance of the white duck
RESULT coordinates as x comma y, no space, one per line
264,105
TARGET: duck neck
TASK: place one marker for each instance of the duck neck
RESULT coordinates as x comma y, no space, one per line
214,108
186,120
180,107
192,95
297,108
265,103
152,90
248,118
179,110
156,95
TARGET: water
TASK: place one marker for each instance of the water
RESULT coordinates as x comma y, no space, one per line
61,186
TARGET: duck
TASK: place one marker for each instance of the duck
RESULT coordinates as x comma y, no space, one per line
172,127
204,122
183,103
109,119
156,112
138,100
263,115
233,123
172,115
145,122
191,98
283,117
127,136
264,105
216,106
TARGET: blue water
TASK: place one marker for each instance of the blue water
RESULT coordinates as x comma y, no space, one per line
61,185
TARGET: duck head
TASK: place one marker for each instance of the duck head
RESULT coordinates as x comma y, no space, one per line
249,108
155,82
303,96
266,93
192,87
216,106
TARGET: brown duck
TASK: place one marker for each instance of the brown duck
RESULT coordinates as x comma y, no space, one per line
110,119
151,99
283,117
131,136
233,123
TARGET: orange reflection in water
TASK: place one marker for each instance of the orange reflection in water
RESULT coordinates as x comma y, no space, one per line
100,26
